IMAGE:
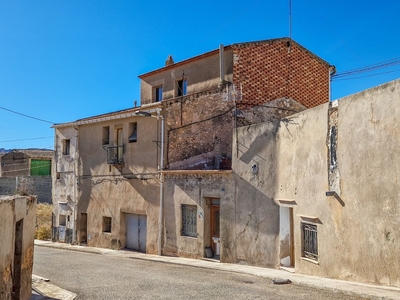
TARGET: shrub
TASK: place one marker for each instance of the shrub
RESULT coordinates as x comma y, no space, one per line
43,221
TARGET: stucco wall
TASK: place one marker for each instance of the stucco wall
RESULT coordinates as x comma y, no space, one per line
113,190
201,73
12,210
257,215
194,189
357,229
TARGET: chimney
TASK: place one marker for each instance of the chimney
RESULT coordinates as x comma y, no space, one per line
169,61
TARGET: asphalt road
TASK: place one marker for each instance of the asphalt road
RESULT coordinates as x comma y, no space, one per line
94,276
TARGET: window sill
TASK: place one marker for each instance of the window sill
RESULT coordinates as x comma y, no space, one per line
189,236
310,260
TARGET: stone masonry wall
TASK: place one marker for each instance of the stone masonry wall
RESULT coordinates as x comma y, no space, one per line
198,130
33,185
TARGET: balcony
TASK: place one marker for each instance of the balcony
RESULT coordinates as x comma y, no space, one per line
115,155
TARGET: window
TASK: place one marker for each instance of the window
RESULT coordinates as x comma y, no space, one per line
133,130
62,220
310,241
158,93
106,135
181,88
189,220
66,146
58,175
106,224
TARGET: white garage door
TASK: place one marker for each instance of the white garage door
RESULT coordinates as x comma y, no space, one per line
136,230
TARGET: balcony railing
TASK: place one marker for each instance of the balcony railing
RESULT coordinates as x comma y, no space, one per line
115,155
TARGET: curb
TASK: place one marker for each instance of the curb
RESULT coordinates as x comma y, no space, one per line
45,290
345,287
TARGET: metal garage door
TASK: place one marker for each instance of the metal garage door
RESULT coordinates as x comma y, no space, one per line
136,230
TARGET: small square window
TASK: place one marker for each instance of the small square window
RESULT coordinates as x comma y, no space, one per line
158,93
106,224
106,135
133,130
309,241
62,220
66,146
58,175
181,88
189,220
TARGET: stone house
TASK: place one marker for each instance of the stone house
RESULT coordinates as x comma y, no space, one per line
105,181
204,98
18,218
28,171
331,174
196,206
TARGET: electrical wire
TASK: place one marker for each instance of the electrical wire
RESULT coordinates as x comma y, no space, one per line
24,115
30,139
370,68
376,74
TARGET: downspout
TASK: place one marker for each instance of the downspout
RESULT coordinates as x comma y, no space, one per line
75,183
221,65
161,167
332,71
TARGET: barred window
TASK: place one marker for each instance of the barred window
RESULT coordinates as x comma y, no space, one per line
106,224
189,220
310,241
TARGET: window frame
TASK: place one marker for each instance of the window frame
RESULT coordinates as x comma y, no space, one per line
309,241
66,147
133,127
158,93
181,87
107,224
106,135
189,220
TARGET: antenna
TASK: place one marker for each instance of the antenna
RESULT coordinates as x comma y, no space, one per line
290,19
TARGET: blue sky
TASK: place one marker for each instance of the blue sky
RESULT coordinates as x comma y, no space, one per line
64,60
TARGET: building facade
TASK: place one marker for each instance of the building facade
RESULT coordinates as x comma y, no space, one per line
18,218
330,173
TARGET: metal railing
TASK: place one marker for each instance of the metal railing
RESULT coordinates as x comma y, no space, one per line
115,155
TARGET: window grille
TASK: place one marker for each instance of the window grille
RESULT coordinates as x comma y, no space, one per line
310,241
189,220
114,155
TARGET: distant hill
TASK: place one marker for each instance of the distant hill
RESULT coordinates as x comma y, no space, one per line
4,151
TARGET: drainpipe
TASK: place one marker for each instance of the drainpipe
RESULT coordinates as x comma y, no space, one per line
75,183
161,167
221,65
332,71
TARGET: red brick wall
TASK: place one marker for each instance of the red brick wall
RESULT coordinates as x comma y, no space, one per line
273,69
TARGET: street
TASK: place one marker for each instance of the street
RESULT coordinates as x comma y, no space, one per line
94,276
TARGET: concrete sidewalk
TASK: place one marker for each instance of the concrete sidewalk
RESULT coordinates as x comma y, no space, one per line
350,288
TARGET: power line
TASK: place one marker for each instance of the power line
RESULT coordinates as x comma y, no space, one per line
15,112
370,68
376,74
30,139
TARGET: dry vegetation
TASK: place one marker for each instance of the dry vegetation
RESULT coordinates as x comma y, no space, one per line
43,221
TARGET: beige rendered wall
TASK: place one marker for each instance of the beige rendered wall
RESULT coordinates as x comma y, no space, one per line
197,188
12,210
201,73
256,217
112,190
357,233
64,170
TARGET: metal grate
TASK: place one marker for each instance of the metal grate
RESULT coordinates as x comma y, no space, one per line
114,155
310,241
189,220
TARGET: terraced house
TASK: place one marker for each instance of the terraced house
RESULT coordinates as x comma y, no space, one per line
159,178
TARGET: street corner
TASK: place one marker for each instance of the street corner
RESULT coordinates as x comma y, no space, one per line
42,289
